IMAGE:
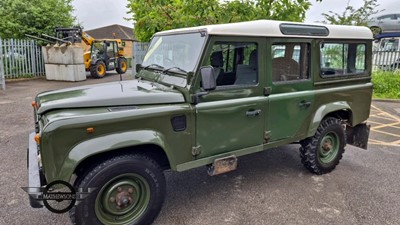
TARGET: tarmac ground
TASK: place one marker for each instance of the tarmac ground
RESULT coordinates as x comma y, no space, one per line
271,187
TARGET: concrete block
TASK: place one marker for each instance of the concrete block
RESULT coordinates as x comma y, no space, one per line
70,55
65,72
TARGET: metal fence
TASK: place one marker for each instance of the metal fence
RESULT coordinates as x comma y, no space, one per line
386,60
139,50
21,58
2,74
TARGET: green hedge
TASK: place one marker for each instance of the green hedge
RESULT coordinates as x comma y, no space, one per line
386,84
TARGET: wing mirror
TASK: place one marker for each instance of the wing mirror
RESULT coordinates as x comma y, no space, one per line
207,82
208,78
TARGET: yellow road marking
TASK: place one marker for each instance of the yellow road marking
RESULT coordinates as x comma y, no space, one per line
375,122
380,114
383,132
387,125
384,118
376,142
387,114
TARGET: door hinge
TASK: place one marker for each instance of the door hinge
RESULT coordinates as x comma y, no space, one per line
267,136
267,91
196,150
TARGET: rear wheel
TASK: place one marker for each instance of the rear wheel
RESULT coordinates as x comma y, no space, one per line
122,65
98,70
130,189
321,153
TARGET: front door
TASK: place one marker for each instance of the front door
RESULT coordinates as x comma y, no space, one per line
111,52
232,116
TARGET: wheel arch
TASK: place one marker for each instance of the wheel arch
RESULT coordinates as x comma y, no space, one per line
150,143
94,62
155,152
340,110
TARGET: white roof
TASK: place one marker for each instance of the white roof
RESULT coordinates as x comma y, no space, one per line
271,28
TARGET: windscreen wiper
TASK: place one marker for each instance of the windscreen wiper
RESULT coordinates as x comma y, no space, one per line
175,67
155,65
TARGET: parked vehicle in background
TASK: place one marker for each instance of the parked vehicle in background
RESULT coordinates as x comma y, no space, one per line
386,51
385,23
204,96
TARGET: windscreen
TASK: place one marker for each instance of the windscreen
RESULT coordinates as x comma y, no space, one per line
178,50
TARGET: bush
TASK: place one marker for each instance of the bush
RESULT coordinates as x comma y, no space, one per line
386,84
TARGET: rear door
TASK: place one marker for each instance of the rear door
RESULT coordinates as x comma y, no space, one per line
291,100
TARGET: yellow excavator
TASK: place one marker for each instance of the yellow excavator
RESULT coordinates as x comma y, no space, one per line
104,54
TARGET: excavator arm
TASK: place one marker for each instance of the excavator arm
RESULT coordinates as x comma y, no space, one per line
87,38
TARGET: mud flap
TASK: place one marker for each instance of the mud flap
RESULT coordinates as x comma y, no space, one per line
358,135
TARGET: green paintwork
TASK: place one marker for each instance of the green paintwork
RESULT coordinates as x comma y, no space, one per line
215,131
112,131
107,211
328,153
108,94
217,125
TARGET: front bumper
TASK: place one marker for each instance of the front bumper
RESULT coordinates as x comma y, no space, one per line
34,178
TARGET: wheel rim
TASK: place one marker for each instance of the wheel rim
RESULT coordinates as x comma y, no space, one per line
329,147
123,66
123,199
101,70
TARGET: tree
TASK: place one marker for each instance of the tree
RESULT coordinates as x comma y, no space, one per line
18,17
353,16
151,16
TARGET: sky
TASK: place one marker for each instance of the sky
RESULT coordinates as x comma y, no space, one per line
94,13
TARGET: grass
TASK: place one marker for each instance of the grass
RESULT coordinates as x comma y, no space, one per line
386,84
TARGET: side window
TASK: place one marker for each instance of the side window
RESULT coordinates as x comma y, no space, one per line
388,17
339,59
290,61
235,63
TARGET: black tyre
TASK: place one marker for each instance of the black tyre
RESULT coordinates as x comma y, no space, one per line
321,153
98,70
130,189
122,65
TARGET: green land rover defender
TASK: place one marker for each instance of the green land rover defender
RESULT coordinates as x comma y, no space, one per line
203,96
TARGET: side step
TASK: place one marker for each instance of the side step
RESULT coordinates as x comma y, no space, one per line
222,165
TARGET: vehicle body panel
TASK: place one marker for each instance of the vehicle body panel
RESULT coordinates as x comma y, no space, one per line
108,94
78,123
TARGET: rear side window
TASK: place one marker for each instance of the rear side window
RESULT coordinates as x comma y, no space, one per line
290,62
342,59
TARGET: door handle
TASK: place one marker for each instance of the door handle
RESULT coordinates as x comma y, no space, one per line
253,113
304,104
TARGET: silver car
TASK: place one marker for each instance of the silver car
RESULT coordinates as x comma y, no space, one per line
385,23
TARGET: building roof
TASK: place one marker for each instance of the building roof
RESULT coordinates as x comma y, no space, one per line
272,28
121,32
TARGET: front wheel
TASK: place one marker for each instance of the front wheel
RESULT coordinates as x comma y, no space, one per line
98,70
129,190
321,153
